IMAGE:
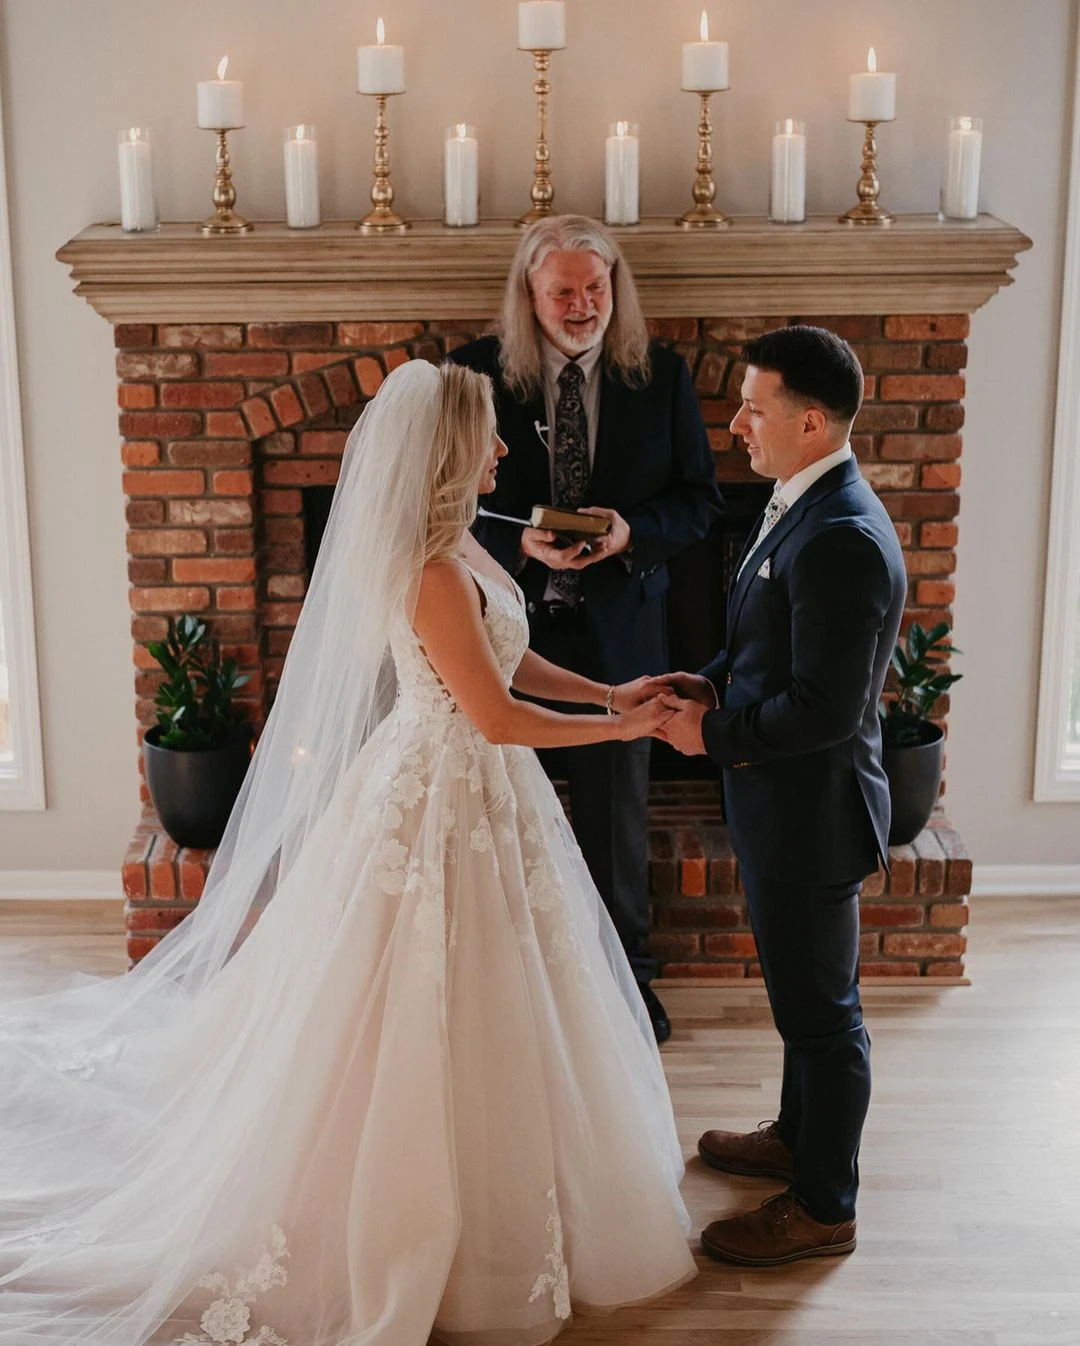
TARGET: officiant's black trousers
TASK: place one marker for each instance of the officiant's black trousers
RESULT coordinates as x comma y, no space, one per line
808,940
609,794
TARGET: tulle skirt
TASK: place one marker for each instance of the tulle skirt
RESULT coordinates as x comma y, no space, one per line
421,1098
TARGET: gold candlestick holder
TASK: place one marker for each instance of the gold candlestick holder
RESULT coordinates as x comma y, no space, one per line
224,222
703,215
542,191
382,219
869,187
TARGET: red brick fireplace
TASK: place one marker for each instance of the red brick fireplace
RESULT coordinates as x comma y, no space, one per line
237,389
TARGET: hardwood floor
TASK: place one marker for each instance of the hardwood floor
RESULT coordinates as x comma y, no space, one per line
969,1218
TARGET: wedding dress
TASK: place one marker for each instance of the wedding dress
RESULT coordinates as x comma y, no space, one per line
398,1082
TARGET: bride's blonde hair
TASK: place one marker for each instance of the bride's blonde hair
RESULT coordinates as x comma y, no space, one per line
463,436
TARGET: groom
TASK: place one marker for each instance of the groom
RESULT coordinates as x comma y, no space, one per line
789,710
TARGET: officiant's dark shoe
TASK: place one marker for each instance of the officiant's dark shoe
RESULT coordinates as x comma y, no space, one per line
756,1154
661,1024
781,1230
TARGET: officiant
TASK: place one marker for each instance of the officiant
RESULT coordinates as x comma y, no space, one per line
596,418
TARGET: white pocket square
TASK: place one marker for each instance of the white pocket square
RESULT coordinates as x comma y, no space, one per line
765,569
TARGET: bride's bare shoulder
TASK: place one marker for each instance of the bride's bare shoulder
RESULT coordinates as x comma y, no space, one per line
446,583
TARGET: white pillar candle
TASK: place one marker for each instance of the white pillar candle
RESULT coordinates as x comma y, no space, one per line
541,25
960,197
704,63
872,96
301,178
621,173
461,175
380,69
220,101
138,209
787,200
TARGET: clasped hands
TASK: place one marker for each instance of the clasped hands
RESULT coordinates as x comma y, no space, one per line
684,698
541,543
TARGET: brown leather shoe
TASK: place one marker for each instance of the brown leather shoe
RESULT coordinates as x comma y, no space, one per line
758,1154
781,1230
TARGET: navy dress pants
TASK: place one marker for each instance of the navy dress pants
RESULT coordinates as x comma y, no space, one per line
808,942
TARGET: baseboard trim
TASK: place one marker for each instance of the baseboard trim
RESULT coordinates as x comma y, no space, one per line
94,885
60,885
1026,881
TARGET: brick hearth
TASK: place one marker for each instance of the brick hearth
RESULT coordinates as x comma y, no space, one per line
223,425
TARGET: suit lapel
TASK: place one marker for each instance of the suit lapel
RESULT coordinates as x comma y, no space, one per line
841,475
529,446
748,547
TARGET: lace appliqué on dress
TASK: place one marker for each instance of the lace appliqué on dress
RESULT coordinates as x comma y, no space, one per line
557,1279
227,1321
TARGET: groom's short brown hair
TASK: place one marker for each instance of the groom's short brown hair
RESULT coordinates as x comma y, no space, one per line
814,364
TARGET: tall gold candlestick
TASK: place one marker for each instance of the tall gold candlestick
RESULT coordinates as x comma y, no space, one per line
224,221
382,219
869,187
542,192
702,214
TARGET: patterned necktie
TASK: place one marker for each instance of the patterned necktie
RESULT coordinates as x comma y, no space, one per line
570,465
774,512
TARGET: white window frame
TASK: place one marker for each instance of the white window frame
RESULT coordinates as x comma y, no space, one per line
22,781
1057,774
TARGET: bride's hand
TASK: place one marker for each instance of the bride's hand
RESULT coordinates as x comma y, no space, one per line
644,721
630,694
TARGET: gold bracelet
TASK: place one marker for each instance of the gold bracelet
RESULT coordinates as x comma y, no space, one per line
609,701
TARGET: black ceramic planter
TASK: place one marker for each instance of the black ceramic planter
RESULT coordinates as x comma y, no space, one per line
914,781
194,792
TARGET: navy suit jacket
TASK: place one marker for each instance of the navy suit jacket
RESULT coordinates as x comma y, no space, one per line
653,464
808,647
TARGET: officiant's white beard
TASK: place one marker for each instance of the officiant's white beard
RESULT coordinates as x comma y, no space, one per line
577,338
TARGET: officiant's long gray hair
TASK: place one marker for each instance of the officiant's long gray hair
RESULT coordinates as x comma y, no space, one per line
626,341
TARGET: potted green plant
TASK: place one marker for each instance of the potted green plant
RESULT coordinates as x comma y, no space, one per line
197,753
913,747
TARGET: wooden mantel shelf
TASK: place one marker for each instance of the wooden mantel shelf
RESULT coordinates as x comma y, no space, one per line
754,268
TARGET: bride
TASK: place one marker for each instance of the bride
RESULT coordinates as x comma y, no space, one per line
392,1077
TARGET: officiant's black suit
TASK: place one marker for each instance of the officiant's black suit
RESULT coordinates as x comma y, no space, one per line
797,734
654,466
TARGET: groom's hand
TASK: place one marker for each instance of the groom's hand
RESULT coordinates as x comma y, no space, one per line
683,730
687,686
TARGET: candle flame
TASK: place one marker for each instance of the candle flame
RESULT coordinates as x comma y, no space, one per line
300,132
871,61
380,33
222,66
133,134
789,126
620,128
965,123
461,128
704,26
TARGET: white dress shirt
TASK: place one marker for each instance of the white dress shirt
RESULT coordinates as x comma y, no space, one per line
797,486
801,482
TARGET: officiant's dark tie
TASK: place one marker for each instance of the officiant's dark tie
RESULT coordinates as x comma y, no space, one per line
570,467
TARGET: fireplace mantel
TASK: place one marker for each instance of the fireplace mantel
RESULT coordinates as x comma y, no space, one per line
917,265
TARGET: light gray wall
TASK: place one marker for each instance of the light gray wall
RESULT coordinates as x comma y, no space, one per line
74,71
